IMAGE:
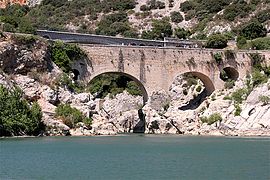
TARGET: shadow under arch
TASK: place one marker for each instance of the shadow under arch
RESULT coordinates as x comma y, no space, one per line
140,85
209,89
230,73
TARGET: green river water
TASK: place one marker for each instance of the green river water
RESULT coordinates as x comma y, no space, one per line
135,156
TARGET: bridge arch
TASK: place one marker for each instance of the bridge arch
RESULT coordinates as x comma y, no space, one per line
229,73
208,83
138,82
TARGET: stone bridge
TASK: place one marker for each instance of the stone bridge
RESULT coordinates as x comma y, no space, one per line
155,68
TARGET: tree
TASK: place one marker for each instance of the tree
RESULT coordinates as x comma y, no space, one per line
161,28
253,30
241,41
17,117
176,17
216,41
181,33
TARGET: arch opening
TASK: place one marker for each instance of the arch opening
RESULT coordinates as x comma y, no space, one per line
229,73
116,82
191,89
76,74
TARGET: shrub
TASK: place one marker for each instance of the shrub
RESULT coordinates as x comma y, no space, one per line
216,41
186,6
238,110
229,84
144,8
211,119
63,55
264,99
181,33
71,116
241,41
261,43
190,14
240,95
161,28
17,117
253,30
218,58
258,77
199,88
176,17
133,89
112,84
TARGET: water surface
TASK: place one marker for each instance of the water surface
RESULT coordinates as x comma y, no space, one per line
135,157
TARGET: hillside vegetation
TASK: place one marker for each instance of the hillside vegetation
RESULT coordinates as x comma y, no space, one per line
150,19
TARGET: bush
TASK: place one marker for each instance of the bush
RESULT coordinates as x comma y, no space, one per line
186,6
199,88
112,84
161,28
211,119
216,41
258,77
144,8
71,116
17,117
176,17
229,84
133,89
241,41
253,30
240,95
238,110
181,33
63,55
261,43
264,99
218,58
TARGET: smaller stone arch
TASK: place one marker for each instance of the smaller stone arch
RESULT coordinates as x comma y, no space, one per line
229,73
141,86
209,86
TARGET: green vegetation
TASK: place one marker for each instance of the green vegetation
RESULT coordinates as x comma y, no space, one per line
238,110
15,19
114,24
240,95
176,17
71,116
161,28
229,84
17,117
211,119
264,99
253,30
181,33
113,84
199,88
216,41
218,58
261,43
63,55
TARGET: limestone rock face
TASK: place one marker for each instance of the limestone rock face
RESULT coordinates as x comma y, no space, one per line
20,59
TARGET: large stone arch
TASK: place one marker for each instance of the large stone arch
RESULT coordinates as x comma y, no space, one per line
208,83
138,82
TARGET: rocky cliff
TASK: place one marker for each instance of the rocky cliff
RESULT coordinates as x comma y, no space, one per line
28,66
